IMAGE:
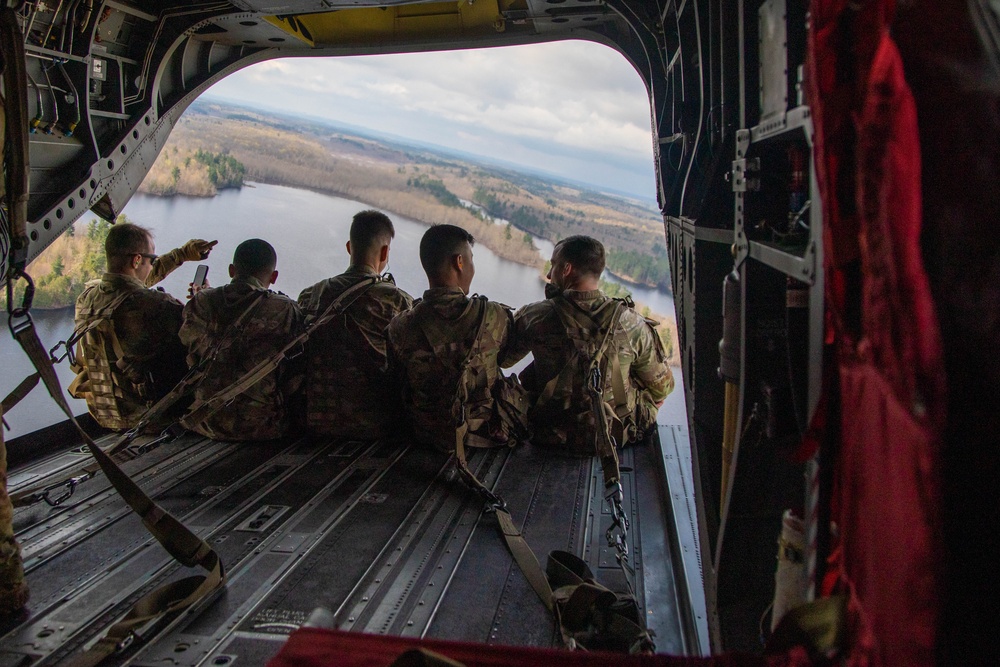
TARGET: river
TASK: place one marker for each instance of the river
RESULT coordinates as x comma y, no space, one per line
309,231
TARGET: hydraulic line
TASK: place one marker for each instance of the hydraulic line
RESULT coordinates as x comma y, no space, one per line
39,115
55,102
55,15
76,99
68,25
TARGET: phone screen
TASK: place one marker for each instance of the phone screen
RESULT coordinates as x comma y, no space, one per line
200,275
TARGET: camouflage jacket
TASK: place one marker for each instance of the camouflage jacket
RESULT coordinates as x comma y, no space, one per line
548,330
133,357
259,413
348,395
427,346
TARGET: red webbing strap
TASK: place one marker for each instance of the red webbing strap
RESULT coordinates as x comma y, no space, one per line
314,647
186,547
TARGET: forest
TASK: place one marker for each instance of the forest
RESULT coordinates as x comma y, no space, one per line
218,146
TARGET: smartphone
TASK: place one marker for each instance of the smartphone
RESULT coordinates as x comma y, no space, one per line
200,275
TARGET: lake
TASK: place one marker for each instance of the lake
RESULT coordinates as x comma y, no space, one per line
309,231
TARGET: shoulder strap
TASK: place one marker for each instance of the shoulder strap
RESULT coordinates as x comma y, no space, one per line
205,408
93,321
186,547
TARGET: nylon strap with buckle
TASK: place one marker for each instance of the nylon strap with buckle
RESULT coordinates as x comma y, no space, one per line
185,547
519,548
121,452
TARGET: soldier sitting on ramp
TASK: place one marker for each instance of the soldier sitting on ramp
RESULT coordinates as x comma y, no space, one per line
129,355
347,393
228,331
447,352
578,332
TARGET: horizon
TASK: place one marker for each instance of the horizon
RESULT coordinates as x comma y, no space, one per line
572,111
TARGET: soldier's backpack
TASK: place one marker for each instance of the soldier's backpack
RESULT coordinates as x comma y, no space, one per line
567,400
508,399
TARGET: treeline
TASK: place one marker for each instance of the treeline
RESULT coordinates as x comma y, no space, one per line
224,171
436,187
64,268
639,268
181,170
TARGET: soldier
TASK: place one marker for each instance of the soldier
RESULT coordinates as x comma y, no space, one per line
231,329
130,355
447,348
565,332
348,395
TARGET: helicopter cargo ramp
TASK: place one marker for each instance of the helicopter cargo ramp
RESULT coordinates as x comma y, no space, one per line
383,536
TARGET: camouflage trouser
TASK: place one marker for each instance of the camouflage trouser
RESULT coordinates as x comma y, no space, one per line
13,588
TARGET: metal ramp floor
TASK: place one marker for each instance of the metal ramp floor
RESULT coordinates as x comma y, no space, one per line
381,535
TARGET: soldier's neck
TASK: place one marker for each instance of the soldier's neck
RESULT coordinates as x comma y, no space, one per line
366,267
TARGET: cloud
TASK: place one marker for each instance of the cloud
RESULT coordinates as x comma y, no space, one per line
577,109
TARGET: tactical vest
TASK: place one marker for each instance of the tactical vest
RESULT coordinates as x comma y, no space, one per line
347,393
564,405
492,405
116,390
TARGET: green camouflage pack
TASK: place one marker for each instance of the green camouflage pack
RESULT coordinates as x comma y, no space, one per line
271,321
427,347
348,393
133,356
562,334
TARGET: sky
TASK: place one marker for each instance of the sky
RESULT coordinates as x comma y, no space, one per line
573,109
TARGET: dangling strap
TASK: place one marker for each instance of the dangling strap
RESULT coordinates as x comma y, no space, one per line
186,547
120,452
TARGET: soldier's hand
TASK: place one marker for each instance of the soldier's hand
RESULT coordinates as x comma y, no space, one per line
196,249
194,289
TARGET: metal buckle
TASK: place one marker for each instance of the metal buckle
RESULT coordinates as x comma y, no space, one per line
126,641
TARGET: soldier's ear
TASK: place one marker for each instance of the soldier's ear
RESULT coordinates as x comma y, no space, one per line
274,277
383,255
232,271
348,247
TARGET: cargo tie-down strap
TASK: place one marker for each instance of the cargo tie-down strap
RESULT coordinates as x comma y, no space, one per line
122,451
588,614
186,547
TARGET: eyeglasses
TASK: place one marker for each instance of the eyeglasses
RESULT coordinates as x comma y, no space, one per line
150,257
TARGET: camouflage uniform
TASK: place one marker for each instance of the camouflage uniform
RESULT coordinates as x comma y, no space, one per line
260,412
13,588
348,395
546,329
132,359
427,346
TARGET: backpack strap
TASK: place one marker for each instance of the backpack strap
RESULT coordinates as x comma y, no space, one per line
202,409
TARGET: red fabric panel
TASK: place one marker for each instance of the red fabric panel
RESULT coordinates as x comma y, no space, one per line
311,647
891,379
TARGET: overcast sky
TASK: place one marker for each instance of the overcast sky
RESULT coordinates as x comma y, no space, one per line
573,109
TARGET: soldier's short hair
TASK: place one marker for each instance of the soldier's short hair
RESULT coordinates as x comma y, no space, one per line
439,244
124,240
369,230
254,257
585,253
